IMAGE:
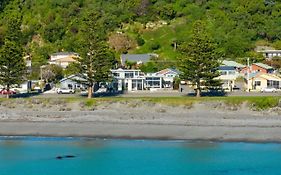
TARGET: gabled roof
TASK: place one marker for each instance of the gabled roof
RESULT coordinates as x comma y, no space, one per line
233,64
64,54
64,59
268,76
168,70
144,58
265,66
72,77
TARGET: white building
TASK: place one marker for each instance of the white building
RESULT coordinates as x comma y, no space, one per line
63,59
228,76
269,54
129,79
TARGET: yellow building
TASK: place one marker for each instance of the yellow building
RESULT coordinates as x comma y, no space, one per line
263,80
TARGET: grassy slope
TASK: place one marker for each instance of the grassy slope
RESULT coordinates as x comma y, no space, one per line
177,30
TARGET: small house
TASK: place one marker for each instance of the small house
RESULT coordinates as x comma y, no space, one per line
262,80
228,76
63,59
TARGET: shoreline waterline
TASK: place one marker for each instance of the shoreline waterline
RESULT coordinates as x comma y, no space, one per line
102,130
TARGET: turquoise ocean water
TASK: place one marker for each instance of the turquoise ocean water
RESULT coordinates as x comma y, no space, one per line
38,156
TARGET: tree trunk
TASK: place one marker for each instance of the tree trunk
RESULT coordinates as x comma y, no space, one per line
198,89
90,91
8,91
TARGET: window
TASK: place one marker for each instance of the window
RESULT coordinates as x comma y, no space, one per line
257,83
129,75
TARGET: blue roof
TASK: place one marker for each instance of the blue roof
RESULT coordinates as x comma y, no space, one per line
227,68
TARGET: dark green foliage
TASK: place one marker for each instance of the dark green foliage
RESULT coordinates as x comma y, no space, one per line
199,62
155,46
12,64
140,40
96,59
235,25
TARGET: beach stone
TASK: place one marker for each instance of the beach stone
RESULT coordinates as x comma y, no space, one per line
279,103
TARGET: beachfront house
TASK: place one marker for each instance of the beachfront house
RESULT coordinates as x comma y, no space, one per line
259,80
72,82
228,76
63,59
168,75
134,79
129,79
258,67
234,64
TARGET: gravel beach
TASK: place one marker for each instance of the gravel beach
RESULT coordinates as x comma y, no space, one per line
140,120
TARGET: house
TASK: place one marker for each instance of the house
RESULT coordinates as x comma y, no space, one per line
258,67
136,58
261,80
63,59
228,76
134,79
72,82
234,64
168,76
269,54
129,79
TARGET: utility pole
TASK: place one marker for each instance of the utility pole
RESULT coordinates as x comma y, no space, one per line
248,74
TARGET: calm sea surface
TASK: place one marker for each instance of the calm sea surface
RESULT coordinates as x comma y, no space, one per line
39,156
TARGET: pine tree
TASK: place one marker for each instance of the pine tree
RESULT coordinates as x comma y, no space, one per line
96,59
12,64
200,60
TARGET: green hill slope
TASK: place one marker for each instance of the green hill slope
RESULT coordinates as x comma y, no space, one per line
236,25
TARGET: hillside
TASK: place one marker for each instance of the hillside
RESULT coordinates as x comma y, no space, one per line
158,26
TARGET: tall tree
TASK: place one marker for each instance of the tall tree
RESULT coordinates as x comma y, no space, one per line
12,64
96,59
200,61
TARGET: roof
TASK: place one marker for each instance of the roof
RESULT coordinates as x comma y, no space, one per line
64,59
168,70
252,75
72,77
265,66
136,57
269,77
232,63
64,54
227,68
271,51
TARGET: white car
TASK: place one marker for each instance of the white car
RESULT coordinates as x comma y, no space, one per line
65,91
268,89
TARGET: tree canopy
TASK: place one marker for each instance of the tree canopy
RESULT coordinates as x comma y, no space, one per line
200,59
12,64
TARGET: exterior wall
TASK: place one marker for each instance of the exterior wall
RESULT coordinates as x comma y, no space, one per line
256,68
272,54
258,83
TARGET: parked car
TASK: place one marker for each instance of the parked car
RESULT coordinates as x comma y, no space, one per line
65,91
268,89
5,92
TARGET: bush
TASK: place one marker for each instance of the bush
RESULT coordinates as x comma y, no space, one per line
140,41
155,46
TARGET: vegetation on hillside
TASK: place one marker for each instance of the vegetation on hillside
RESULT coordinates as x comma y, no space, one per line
157,26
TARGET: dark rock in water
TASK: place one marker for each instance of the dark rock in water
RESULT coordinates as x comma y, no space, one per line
65,157
59,157
69,156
